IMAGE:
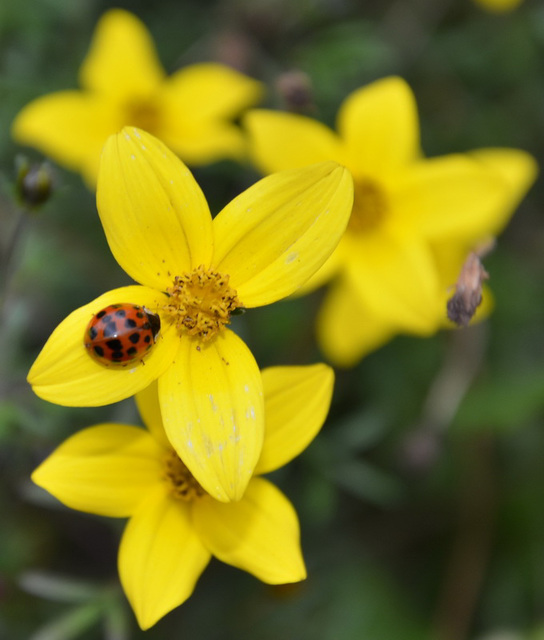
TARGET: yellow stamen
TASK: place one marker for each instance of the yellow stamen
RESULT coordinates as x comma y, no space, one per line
369,206
183,486
201,302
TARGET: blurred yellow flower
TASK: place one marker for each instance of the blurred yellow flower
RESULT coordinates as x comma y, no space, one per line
499,6
194,272
175,526
407,212
124,84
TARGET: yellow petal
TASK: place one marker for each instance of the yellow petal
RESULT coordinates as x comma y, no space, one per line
519,171
499,6
69,126
346,329
280,141
160,557
204,95
452,197
260,534
210,91
122,61
197,104
147,402
105,469
296,403
204,142
379,125
330,268
397,280
212,408
277,234
154,214
66,374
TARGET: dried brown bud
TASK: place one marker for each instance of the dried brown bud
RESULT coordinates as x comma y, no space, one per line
468,291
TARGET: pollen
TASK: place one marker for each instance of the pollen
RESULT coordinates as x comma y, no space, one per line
183,486
201,302
369,206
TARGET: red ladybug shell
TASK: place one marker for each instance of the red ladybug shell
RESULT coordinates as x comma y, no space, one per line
121,333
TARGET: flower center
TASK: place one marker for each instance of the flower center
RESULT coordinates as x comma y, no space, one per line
369,206
183,486
201,302
143,114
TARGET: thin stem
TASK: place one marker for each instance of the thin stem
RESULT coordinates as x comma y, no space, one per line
8,260
462,362
472,544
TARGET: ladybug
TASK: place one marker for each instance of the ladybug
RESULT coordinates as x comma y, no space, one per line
121,333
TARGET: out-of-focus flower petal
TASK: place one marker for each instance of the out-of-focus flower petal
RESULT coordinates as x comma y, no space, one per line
196,105
518,169
68,126
280,141
452,197
346,329
379,125
122,60
499,6
395,279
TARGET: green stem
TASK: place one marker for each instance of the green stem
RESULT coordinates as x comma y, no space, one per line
8,260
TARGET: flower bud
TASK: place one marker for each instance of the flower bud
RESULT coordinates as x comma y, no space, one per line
34,183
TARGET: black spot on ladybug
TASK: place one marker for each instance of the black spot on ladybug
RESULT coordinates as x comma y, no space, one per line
99,351
130,324
120,313
110,330
106,319
93,333
115,345
132,351
101,314
147,339
134,337
140,314
117,355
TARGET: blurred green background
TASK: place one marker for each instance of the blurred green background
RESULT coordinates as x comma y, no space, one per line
422,501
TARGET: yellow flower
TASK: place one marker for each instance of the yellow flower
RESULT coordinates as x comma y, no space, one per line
193,273
124,84
406,209
175,527
499,6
